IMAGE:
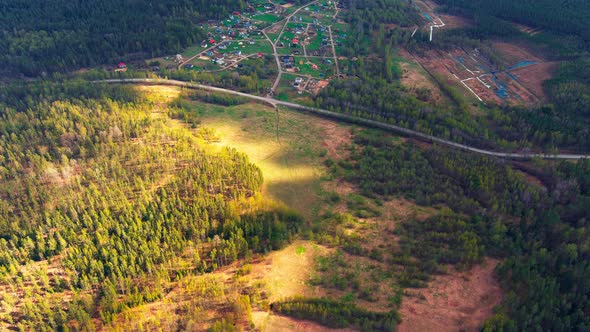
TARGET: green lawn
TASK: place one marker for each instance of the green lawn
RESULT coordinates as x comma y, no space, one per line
203,65
192,51
306,68
316,41
262,46
301,18
340,27
266,17
285,50
258,2
287,37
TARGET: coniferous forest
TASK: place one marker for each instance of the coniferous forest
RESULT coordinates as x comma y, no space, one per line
117,203
39,37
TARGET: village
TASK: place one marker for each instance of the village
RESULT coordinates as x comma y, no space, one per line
299,43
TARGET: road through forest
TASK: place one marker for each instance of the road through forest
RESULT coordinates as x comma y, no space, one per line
348,118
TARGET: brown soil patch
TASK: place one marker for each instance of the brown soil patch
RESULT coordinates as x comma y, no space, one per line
453,302
402,209
274,28
335,138
444,65
455,22
414,79
513,54
529,178
321,84
533,77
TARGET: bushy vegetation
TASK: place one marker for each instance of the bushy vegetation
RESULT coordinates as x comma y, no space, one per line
252,77
337,314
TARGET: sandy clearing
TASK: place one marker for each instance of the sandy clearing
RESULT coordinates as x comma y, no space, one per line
453,302
413,79
335,138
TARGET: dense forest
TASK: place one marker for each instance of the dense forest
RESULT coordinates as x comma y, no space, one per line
570,17
45,36
368,16
541,230
117,202
337,314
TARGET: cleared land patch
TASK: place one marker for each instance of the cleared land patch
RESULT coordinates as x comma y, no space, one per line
453,302
418,81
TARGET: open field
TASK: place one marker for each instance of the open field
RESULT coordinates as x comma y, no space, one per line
416,79
284,145
533,76
286,273
455,22
269,18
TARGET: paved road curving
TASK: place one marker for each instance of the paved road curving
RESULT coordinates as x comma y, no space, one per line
349,118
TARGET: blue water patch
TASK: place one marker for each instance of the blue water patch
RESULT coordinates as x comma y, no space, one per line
502,93
483,68
428,17
522,64
512,76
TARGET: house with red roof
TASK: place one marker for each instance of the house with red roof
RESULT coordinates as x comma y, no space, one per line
121,66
